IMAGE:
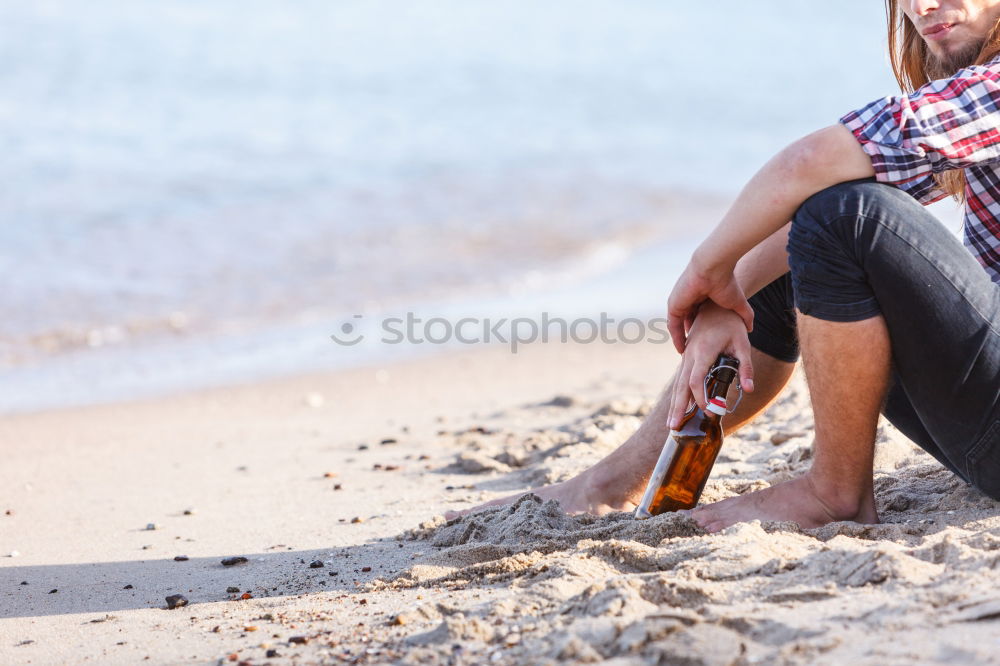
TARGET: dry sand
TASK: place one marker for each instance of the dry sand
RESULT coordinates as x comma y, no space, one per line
278,472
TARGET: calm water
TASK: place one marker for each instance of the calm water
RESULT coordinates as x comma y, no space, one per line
186,169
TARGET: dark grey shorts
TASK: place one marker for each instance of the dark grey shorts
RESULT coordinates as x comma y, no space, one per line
861,249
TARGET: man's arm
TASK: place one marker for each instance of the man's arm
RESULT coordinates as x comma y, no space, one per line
746,252
765,263
766,204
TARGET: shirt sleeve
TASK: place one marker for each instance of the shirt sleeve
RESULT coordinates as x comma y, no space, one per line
951,123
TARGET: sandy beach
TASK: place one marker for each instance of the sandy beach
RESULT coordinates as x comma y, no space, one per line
333,489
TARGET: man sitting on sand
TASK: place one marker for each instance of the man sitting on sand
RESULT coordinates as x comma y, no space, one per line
887,309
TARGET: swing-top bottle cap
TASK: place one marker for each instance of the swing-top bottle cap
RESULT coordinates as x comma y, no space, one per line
717,406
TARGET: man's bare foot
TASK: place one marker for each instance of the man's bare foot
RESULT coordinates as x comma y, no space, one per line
796,500
577,495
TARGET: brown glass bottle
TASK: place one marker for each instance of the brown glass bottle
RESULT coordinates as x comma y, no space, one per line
689,452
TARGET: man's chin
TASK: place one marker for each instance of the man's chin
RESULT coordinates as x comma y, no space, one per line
942,62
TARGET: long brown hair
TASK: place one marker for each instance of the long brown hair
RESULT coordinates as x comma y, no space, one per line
910,62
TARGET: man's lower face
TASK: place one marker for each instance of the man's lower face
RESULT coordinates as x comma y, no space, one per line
943,62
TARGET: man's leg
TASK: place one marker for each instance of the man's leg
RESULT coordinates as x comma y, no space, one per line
847,370
879,280
617,482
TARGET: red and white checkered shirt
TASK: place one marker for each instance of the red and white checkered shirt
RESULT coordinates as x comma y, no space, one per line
951,123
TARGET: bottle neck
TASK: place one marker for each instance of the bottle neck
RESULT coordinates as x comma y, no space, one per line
717,405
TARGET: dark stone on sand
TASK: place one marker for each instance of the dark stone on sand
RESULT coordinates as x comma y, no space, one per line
24,582
362,447
127,587
562,401
230,561
272,653
181,558
388,440
53,591
316,564
176,601
780,438
232,590
298,640
366,569
338,486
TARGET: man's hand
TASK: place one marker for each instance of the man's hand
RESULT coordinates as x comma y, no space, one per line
715,330
696,287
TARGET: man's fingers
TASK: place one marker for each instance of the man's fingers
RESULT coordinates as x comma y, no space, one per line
678,335
733,298
674,416
696,382
679,396
746,314
742,353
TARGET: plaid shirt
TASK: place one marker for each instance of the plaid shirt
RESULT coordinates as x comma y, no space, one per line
951,123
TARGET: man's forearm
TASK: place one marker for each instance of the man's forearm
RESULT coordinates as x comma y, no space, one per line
765,263
820,160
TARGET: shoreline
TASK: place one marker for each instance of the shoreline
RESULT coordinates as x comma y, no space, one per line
613,280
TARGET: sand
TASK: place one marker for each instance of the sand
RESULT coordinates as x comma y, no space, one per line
333,486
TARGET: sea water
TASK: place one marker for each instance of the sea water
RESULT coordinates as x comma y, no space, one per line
196,193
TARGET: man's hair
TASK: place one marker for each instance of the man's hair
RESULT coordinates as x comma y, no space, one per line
913,66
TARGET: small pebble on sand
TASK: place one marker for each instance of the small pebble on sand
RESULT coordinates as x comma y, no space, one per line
780,438
232,590
562,401
230,561
357,519
176,601
316,564
181,558
150,527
